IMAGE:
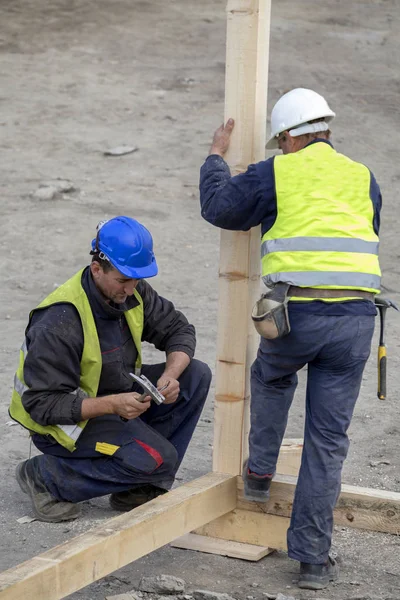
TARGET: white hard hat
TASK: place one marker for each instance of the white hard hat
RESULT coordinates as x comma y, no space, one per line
296,108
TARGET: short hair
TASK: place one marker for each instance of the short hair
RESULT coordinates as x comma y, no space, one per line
105,264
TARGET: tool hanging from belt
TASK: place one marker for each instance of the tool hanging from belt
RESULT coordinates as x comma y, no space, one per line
270,314
271,319
382,305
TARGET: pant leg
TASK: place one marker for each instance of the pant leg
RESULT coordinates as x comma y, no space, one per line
177,422
334,379
273,383
141,455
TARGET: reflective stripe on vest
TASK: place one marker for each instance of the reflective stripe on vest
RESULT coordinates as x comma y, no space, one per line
323,235
91,362
336,279
320,244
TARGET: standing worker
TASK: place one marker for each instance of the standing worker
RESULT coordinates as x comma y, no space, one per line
74,393
319,213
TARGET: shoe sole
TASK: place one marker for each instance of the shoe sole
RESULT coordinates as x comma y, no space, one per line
252,496
312,585
123,507
318,585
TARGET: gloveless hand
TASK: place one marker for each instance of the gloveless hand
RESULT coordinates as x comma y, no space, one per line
171,392
222,138
128,406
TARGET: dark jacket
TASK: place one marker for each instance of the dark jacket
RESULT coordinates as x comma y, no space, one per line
54,340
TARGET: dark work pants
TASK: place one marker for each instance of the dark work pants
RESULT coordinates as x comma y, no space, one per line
151,447
335,348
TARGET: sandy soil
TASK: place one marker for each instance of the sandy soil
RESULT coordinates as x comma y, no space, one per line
81,77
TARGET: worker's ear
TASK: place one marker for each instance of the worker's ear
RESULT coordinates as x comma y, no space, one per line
95,269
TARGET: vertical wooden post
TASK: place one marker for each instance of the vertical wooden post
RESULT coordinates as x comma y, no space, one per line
246,84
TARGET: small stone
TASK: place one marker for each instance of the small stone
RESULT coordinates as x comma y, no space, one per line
26,519
376,463
61,185
207,595
8,317
269,596
283,597
255,585
45,193
354,583
127,596
162,584
120,150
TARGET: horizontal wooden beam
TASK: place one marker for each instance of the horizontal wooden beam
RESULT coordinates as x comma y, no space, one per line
121,540
266,524
362,508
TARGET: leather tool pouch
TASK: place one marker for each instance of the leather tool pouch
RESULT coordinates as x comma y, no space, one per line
270,313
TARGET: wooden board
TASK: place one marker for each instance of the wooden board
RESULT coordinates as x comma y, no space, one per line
358,507
248,527
289,458
246,80
266,524
118,541
210,545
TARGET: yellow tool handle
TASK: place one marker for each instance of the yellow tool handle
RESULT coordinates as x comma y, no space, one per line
382,363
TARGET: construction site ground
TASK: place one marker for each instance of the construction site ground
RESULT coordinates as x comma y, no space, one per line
81,77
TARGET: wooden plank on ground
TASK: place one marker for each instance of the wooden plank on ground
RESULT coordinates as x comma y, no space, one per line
210,545
358,507
118,541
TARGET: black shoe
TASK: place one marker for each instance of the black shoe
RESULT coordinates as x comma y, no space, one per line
45,506
129,500
256,487
317,577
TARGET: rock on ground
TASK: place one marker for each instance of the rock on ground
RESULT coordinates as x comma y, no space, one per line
162,584
207,595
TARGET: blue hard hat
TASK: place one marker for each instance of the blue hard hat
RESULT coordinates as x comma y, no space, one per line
128,245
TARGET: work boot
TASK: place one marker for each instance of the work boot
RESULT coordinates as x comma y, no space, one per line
125,501
256,487
45,506
317,577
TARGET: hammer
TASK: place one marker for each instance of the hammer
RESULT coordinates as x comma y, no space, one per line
382,304
148,390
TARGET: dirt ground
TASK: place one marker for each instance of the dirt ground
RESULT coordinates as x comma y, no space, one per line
79,77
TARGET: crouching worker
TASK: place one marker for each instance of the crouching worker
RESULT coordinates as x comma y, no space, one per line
74,392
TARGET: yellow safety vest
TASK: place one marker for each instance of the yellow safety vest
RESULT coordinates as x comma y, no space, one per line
323,236
91,363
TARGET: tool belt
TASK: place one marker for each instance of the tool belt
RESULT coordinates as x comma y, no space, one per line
270,314
301,292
